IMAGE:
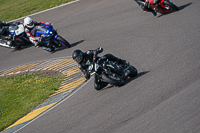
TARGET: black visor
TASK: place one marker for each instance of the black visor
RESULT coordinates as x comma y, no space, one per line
30,24
78,59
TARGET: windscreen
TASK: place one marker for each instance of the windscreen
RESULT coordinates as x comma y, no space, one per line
41,28
13,27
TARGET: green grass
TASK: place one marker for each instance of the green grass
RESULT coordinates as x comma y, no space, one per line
20,94
13,9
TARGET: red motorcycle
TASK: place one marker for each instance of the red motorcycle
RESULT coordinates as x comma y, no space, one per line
162,6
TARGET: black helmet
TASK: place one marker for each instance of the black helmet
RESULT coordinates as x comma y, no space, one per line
77,55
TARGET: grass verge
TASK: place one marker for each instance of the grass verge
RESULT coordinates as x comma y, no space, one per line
20,94
13,9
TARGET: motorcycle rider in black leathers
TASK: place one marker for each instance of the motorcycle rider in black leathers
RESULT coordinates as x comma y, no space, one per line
84,60
145,6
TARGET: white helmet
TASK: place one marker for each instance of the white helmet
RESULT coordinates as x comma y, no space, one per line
29,22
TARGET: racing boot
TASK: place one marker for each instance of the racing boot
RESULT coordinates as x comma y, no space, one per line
50,49
147,8
36,43
152,11
44,48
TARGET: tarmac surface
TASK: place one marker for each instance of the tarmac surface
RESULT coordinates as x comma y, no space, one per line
165,97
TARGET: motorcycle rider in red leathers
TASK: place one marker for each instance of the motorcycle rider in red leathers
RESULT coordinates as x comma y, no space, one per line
84,60
30,30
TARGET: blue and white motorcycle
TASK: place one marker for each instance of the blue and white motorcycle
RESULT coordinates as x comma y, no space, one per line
50,37
13,36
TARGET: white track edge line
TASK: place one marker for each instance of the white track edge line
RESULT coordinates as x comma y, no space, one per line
47,10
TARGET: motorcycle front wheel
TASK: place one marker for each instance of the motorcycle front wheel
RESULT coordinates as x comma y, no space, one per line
133,71
114,80
62,41
170,5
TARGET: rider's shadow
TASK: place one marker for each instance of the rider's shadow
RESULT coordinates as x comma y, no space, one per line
76,43
128,80
72,45
180,8
139,75
184,6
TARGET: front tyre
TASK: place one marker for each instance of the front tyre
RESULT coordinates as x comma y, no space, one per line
114,80
133,71
17,45
62,42
170,5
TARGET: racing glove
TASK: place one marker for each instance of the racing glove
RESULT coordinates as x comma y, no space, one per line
87,75
99,49
48,23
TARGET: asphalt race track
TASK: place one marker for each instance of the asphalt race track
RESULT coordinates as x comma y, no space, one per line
165,97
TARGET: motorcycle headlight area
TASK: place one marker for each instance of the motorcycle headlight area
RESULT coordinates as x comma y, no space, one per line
47,32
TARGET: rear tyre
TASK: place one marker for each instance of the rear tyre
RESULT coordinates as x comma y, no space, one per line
63,42
17,47
114,80
170,5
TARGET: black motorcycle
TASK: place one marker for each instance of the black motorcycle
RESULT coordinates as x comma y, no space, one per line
112,72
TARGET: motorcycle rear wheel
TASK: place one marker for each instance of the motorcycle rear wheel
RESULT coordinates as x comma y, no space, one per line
63,42
170,5
110,79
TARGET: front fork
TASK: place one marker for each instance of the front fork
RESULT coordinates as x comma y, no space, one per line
55,40
52,41
126,72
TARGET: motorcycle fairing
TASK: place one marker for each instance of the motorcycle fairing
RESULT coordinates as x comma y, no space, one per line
162,8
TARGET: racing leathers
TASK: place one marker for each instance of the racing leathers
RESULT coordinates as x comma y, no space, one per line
89,57
30,32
